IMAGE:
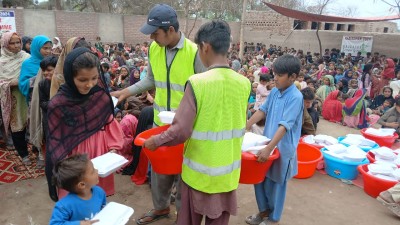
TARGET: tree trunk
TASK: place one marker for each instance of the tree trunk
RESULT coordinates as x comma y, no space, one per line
242,23
194,24
186,12
58,5
319,39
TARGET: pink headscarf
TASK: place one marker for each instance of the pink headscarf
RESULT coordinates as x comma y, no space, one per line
264,70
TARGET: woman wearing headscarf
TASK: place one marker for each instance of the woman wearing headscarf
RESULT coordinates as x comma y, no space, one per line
380,99
366,78
354,110
388,73
35,122
26,44
40,48
343,85
57,46
80,117
58,78
327,87
14,109
332,107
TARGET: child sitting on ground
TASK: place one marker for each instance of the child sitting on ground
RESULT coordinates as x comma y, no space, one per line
77,175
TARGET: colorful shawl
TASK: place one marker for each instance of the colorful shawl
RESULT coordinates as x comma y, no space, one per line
73,117
14,114
332,108
30,67
324,90
355,106
388,72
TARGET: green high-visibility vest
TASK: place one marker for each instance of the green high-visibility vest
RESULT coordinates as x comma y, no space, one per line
170,81
213,152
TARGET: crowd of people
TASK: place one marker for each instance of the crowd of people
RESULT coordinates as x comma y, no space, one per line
60,96
355,91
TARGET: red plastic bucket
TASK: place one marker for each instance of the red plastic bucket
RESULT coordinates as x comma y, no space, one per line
315,145
308,158
371,157
164,160
387,141
253,172
373,186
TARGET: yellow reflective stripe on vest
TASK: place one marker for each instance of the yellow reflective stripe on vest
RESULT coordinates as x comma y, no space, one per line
175,87
218,136
211,171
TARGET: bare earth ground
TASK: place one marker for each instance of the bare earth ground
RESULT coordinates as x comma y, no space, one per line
315,201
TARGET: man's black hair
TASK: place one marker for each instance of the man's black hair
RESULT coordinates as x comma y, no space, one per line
175,26
217,33
265,77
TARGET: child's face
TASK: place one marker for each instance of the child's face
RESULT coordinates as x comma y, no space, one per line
308,103
354,76
136,74
346,66
48,73
91,176
254,87
271,85
340,99
340,71
310,85
340,84
331,67
283,81
118,116
386,104
123,72
350,74
300,78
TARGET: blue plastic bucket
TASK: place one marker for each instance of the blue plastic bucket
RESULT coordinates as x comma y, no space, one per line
364,148
341,169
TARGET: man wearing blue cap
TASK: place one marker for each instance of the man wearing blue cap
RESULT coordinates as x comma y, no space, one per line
172,60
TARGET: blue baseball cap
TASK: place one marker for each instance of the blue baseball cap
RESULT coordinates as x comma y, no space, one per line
161,15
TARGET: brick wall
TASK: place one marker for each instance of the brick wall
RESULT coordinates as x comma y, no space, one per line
264,27
19,21
132,25
74,24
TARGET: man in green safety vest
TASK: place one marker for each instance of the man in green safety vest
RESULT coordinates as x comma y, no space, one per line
211,119
172,60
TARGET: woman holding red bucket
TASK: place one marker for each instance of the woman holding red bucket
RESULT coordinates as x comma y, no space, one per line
211,165
282,109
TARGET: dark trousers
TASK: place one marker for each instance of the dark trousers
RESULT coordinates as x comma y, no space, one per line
20,143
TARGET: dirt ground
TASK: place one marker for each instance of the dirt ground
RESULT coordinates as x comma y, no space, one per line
314,201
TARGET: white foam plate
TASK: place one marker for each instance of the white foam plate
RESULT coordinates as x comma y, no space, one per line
108,163
166,117
251,140
114,214
114,100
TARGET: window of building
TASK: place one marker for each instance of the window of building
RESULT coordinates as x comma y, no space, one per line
328,26
314,25
385,29
298,25
340,27
350,27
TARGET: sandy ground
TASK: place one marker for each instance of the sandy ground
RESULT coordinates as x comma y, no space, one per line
314,201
